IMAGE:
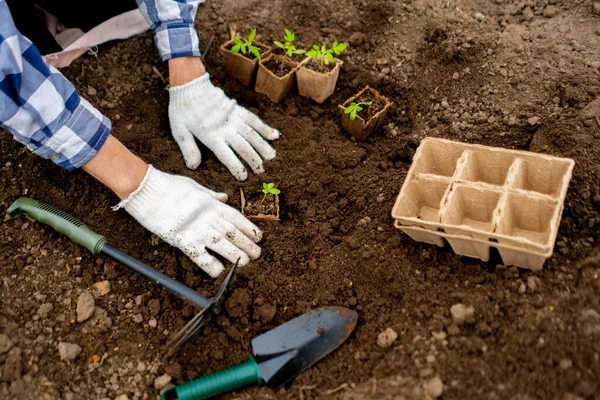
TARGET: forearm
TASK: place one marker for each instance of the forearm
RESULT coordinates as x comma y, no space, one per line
185,69
117,168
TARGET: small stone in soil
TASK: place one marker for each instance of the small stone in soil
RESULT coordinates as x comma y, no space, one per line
162,381
13,366
85,306
68,351
5,343
99,289
462,314
434,387
386,338
45,310
533,283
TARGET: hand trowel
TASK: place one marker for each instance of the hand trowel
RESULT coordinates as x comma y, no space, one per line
278,355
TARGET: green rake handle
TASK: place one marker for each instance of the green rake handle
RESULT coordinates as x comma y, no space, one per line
219,382
62,222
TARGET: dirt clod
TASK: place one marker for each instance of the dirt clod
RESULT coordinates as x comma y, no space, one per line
386,338
239,303
265,313
462,314
5,343
45,310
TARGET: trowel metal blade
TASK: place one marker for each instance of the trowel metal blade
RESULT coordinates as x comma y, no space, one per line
288,350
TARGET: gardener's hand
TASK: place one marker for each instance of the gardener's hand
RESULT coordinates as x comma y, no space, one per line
194,219
199,109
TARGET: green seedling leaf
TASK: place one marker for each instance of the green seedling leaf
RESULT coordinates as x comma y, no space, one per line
252,36
354,108
256,51
269,188
338,48
236,48
279,44
289,36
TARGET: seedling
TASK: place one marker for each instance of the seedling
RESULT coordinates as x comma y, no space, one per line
245,45
269,188
325,55
289,48
354,108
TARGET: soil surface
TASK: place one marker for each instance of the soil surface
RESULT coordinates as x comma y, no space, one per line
520,74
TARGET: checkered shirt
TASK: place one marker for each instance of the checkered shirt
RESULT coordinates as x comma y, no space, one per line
41,108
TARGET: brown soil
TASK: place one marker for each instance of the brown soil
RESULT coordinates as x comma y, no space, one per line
278,67
518,75
377,104
255,204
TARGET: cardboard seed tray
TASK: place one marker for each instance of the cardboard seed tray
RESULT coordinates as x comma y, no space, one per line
477,197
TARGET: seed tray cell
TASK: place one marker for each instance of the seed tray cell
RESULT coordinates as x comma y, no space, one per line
470,210
421,200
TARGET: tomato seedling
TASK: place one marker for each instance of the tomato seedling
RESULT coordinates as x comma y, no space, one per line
245,45
325,55
269,188
288,47
354,108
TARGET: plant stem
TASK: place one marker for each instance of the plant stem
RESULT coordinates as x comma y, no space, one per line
263,199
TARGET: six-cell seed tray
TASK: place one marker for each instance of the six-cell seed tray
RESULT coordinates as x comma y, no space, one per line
478,197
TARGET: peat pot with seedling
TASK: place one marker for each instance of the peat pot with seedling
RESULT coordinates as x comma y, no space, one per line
318,73
364,112
276,72
242,56
261,205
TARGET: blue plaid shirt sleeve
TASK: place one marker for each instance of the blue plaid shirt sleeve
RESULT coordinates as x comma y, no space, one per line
173,24
40,107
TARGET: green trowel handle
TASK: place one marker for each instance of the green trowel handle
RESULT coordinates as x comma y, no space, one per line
62,222
219,382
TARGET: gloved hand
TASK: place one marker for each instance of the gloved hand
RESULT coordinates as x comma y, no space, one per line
189,216
199,109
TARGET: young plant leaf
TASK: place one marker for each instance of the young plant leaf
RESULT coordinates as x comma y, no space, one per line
279,44
256,51
236,49
353,114
289,36
252,36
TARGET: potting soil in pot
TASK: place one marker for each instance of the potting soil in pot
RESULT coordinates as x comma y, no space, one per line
279,68
320,67
369,111
255,204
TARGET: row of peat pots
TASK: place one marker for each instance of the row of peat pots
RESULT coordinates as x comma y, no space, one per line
274,75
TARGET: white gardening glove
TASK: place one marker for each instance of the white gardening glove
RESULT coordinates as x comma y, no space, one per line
194,219
199,109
